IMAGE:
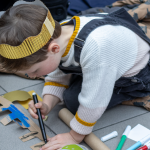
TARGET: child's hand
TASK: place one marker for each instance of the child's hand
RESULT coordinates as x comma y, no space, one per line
59,141
43,108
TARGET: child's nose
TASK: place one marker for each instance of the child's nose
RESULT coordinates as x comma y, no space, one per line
32,75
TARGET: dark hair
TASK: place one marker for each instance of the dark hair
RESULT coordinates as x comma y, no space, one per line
18,23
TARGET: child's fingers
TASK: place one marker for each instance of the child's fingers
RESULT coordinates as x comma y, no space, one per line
43,116
32,110
52,139
32,106
51,145
34,115
39,105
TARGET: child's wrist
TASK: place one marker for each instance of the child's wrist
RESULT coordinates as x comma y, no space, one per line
76,136
48,108
50,100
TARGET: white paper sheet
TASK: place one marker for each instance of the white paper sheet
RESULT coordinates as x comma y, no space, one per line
138,132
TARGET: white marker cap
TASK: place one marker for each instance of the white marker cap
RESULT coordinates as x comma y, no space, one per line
127,131
109,136
33,93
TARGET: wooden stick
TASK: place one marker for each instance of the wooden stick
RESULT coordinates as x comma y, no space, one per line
92,140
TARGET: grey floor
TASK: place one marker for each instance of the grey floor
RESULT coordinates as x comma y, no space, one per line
115,119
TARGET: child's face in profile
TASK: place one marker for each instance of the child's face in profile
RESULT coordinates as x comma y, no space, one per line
43,68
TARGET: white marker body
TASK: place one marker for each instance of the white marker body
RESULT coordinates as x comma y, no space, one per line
109,136
145,139
148,144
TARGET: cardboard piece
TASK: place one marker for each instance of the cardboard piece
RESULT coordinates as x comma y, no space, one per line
22,97
37,146
26,123
93,141
25,103
17,96
15,114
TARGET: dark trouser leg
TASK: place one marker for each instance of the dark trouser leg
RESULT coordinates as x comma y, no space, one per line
118,99
70,95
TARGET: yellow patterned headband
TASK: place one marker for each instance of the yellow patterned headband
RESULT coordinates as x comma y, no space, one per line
31,44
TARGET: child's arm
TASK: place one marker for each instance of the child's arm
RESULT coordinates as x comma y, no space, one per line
60,140
51,100
77,137
56,83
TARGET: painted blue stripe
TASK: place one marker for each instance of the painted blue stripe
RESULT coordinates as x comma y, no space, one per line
17,114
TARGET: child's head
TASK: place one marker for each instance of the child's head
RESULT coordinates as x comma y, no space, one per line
17,24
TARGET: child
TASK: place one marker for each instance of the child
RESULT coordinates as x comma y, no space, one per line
92,62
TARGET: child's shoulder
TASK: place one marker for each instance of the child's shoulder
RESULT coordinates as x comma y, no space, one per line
84,18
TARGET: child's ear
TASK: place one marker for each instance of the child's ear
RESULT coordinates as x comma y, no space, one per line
53,48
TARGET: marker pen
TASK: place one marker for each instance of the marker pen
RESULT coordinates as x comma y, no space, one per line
109,136
140,143
40,118
123,138
146,146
